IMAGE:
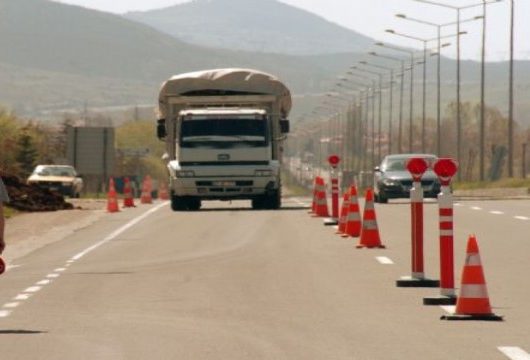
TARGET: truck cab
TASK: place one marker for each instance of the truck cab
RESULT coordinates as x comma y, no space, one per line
224,154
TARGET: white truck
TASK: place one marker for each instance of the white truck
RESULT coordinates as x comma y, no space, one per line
223,130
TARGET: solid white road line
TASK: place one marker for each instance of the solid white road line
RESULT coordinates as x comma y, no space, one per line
384,260
26,294
117,232
11,267
514,353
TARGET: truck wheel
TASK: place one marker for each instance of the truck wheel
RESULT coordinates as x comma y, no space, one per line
258,203
274,200
194,204
177,203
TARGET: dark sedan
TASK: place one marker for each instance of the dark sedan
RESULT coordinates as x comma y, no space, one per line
392,180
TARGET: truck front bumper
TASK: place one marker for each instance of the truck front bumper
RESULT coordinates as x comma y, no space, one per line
223,188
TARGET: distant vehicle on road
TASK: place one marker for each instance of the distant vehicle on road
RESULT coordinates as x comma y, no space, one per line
224,130
392,180
61,178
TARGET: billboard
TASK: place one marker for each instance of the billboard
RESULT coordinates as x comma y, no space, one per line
91,150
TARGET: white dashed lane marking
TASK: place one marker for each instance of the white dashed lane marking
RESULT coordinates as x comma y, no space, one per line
496,212
514,353
476,208
384,260
521,218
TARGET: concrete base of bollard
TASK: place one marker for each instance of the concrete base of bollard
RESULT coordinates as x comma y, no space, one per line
409,281
483,317
439,300
330,222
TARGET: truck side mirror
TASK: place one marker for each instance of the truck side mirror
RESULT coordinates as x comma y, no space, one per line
161,131
284,126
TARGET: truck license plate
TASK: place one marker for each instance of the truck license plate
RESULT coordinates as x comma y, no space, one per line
224,183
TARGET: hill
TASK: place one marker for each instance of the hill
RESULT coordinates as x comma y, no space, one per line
57,56
253,25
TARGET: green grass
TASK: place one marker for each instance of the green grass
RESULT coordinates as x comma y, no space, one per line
502,183
290,183
9,212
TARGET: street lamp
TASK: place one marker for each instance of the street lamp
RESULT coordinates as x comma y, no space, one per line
424,97
458,10
411,53
439,37
391,100
363,97
510,105
402,85
380,114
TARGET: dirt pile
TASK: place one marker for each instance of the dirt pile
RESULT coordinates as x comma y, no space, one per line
26,197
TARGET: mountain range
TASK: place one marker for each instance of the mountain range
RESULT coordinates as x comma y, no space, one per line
253,25
56,56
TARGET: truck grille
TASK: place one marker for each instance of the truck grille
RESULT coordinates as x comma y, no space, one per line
216,163
236,183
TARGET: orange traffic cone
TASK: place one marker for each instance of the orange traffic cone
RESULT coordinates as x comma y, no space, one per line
473,302
128,199
112,198
370,232
145,197
344,213
163,192
353,219
321,200
313,203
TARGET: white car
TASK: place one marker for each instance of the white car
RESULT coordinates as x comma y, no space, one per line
61,178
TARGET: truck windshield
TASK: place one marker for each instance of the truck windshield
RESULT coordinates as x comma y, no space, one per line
223,132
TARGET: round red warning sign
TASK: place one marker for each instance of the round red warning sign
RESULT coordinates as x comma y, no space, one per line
417,167
445,169
334,160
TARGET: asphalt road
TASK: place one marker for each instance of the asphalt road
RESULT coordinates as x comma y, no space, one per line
231,283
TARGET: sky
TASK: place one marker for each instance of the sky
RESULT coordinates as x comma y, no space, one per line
373,17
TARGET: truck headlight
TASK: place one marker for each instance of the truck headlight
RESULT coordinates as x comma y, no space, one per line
263,173
184,173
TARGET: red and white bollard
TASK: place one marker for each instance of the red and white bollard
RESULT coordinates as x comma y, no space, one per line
334,175
445,169
417,167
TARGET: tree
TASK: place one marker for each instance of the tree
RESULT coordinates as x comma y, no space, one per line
27,154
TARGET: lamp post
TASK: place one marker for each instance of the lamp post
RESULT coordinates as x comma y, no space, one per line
411,114
458,10
358,86
425,41
510,105
380,106
400,119
390,102
440,45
